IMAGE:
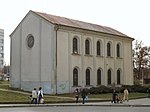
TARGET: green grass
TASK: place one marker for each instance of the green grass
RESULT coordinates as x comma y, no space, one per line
6,96
14,97
4,82
108,96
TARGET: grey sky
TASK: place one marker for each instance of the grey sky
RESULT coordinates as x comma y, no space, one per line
130,17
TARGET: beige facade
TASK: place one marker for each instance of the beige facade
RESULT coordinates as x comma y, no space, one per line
49,60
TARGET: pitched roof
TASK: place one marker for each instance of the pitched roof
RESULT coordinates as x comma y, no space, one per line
79,24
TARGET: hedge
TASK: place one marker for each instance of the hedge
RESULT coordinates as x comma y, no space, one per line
104,89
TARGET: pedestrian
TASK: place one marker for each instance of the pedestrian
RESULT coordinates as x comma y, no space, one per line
83,94
34,96
125,95
40,95
77,93
148,92
114,96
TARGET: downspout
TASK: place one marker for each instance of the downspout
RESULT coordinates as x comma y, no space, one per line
56,28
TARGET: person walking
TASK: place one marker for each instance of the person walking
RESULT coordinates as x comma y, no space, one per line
114,96
40,95
34,96
83,94
77,93
126,94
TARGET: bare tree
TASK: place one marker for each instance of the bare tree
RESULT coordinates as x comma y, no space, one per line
141,58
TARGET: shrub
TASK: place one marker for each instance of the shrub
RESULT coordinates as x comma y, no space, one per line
104,89
99,90
136,88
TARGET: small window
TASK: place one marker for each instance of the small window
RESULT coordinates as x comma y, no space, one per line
109,76
98,48
87,46
1,62
87,77
108,49
1,41
1,48
99,77
118,50
118,76
75,77
1,55
75,45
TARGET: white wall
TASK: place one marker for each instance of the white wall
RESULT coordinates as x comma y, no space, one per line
15,59
34,67
128,64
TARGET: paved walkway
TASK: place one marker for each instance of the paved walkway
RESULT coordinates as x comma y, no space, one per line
145,102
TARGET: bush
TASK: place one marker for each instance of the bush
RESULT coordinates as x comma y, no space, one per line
104,89
99,90
136,88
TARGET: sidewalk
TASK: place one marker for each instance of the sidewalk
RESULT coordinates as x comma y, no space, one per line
145,102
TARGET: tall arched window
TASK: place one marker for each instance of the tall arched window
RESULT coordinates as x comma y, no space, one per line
98,48
109,76
75,45
99,77
87,77
118,50
118,76
87,46
108,49
75,77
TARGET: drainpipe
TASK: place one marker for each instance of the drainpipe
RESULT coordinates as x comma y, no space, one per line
56,28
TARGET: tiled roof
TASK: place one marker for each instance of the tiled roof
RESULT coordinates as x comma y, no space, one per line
79,24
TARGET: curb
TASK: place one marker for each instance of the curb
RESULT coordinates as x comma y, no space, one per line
68,105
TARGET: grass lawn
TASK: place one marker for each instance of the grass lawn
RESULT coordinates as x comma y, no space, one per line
108,96
15,97
6,96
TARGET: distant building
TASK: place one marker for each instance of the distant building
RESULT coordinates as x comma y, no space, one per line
1,48
61,54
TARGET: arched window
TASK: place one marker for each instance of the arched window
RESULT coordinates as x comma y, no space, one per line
118,50
87,77
75,45
118,76
87,46
109,76
99,77
108,49
98,48
75,77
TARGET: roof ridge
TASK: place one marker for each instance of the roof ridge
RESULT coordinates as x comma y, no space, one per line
80,24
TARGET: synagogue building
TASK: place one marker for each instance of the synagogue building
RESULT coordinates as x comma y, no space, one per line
60,54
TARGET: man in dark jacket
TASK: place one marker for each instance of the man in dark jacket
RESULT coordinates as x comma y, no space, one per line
83,94
114,95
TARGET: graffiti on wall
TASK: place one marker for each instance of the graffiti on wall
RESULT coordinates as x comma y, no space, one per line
62,86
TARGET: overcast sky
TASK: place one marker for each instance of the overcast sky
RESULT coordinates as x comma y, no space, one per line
131,17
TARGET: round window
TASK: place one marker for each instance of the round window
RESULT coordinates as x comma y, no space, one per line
30,41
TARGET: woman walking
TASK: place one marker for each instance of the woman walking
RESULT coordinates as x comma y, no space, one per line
126,94
77,95
40,95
